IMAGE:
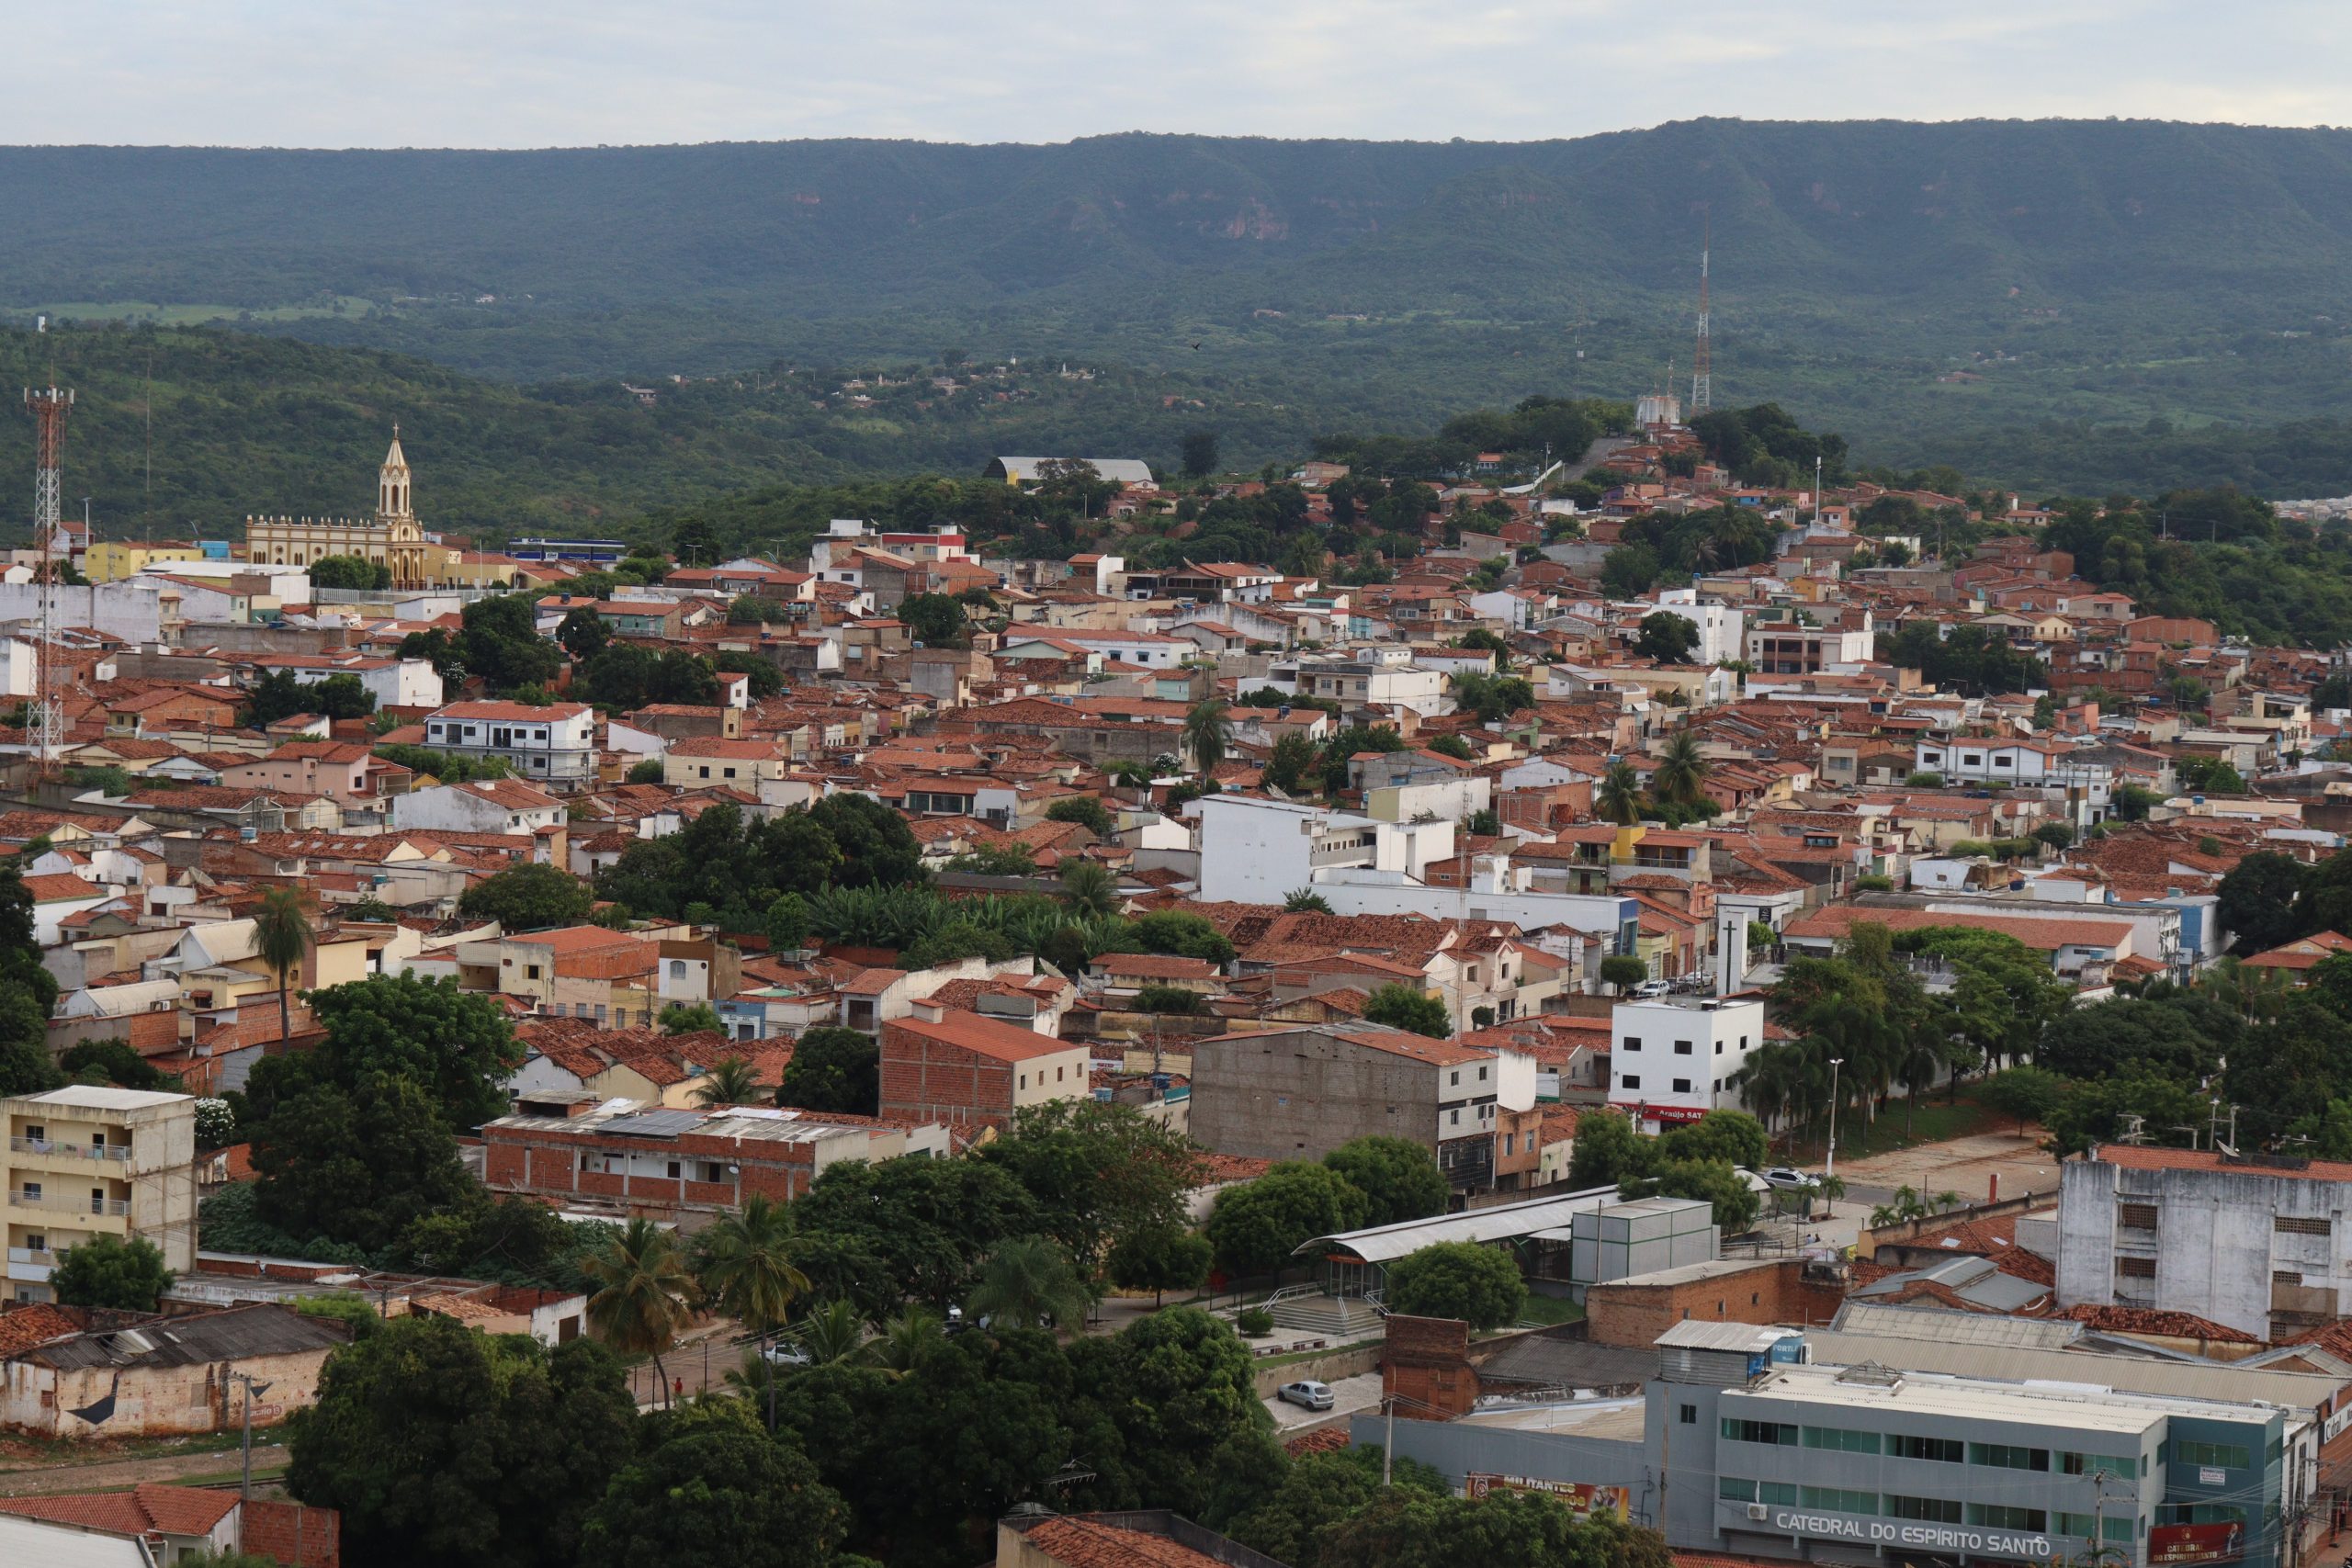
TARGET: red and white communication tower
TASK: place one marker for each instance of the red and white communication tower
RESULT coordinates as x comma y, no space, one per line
45,718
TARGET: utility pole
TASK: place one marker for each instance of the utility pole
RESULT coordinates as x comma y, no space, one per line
1834,1063
252,1386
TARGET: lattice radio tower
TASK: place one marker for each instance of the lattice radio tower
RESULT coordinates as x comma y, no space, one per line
45,718
1703,358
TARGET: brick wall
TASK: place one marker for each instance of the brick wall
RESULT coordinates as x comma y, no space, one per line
1773,1291
1426,1363
294,1535
929,1081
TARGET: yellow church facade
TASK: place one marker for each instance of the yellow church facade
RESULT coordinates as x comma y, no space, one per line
393,538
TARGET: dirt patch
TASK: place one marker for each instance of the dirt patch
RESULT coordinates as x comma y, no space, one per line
105,1473
1965,1166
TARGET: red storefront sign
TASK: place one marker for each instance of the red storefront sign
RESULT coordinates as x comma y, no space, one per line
2196,1543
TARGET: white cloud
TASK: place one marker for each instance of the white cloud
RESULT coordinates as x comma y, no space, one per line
497,73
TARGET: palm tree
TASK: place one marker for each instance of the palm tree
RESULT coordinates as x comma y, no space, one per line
733,1081
1306,900
832,1334
1829,1189
281,935
1030,1284
1619,799
1208,732
1089,889
1681,771
744,1265
644,1293
908,1340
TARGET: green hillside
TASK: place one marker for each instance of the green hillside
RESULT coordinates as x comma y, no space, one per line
2042,289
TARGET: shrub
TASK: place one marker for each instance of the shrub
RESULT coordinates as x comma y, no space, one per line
1254,1322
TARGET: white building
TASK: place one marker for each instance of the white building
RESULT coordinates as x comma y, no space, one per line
1671,1059
487,806
1383,676
2256,1246
1723,630
556,744
1977,760
1154,650
393,682
1259,851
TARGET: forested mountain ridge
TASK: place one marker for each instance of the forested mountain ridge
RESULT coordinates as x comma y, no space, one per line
2048,304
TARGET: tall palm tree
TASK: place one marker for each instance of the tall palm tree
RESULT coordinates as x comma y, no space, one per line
1208,733
1619,799
1089,889
1030,1284
281,935
743,1265
644,1293
1681,771
733,1081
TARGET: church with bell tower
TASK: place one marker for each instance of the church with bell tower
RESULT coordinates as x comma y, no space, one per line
392,537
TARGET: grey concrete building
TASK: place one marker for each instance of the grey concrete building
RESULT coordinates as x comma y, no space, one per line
1746,1444
2249,1243
1300,1093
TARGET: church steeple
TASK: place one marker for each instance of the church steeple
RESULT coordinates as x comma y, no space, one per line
392,482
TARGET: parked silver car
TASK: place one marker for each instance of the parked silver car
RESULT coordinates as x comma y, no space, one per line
1309,1394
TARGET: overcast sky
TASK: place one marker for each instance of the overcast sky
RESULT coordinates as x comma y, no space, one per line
496,73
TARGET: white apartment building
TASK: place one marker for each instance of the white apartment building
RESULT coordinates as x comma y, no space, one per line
1671,1059
1723,629
553,745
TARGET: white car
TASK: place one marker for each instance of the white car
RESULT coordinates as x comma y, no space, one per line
1653,988
1787,1177
1311,1395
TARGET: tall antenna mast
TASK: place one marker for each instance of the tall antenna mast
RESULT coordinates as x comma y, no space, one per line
1703,358
45,720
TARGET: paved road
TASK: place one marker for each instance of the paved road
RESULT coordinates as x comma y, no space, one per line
131,1472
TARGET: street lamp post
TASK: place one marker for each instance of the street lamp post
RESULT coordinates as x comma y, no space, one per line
252,1386
1834,1063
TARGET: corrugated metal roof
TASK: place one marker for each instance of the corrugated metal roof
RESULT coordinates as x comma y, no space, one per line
1957,1327
1749,1338
65,1546
193,1341
1504,1221
2128,1374
656,1123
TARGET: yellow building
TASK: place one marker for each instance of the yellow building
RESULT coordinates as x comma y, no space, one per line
86,1161
393,538
111,560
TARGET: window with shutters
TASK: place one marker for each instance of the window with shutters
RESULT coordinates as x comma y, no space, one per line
2292,1224
2136,1216
2136,1268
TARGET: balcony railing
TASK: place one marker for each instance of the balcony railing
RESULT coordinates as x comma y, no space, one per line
81,1151
20,1198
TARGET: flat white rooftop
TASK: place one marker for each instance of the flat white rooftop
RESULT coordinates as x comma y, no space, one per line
1926,1399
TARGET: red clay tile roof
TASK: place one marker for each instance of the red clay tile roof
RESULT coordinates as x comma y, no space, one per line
29,1325
148,1508
2152,1321
1088,1543
1322,1441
